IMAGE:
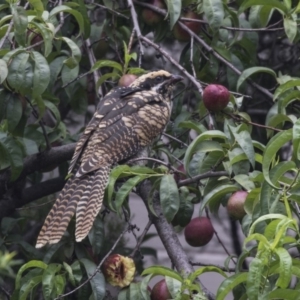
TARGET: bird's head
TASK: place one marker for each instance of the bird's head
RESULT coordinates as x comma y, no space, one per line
161,82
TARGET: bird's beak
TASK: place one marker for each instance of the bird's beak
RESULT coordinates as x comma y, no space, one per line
175,78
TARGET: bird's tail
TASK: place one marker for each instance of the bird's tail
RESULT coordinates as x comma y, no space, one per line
81,194
91,203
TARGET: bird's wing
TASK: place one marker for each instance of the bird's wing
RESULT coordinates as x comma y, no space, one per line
132,124
107,109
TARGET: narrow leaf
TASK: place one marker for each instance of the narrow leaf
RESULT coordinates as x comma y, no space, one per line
169,197
214,12
249,72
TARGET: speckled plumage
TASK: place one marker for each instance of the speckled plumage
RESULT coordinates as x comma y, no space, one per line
127,120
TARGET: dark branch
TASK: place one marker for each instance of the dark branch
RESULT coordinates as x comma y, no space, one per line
8,206
168,236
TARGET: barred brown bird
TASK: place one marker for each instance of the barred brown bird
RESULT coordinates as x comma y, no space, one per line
127,120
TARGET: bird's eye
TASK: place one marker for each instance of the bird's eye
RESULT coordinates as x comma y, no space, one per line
158,79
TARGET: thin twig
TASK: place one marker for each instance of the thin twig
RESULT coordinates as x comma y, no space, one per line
76,79
109,9
202,176
7,33
98,267
175,139
92,60
191,57
175,63
154,160
35,206
219,240
207,47
223,60
231,270
36,115
131,41
141,239
7,294
137,29
239,119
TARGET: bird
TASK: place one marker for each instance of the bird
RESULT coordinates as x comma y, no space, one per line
126,121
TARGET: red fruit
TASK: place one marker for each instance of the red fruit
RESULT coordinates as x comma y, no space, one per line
235,205
199,232
149,16
118,270
127,80
160,291
181,34
215,97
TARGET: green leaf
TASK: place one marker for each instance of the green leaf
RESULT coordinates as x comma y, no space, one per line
20,24
54,110
286,86
272,3
244,139
76,53
113,177
285,265
216,195
163,271
214,12
48,280
283,294
59,284
3,70
249,72
254,278
169,197
28,286
30,264
38,6
125,189
296,141
200,271
272,148
229,284
47,35
264,218
186,208
97,282
174,10
67,9
13,112
208,135
106,63
16,156
41,75
290,28
70,273
174,286
20,73
96,235
4,157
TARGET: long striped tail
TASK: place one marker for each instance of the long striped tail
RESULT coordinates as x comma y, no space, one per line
81,194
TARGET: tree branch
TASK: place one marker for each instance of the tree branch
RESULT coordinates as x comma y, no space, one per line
167,235
8,206
37,162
